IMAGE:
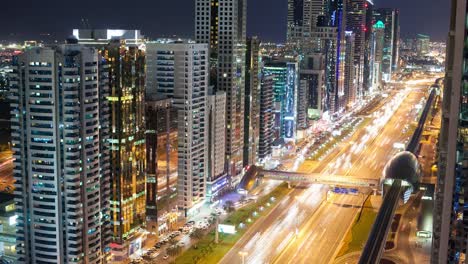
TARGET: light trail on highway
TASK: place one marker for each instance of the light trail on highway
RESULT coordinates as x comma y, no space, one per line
319,249
333,216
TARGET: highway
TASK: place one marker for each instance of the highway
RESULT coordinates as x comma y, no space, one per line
363,155
305,247
270,234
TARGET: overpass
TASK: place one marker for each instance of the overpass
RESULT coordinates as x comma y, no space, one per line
319,178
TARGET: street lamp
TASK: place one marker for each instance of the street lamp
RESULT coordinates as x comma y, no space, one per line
243,254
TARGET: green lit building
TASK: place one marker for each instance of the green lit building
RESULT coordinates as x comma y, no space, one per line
285,89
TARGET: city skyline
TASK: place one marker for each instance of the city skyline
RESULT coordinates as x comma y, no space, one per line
414,15
177,132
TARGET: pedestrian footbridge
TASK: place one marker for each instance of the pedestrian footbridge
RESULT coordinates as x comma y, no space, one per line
334,180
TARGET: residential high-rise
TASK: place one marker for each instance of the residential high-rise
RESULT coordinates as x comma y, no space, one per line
356,23
317,8
223,24
266,117
422,44
302,97
285,86
217,178
161,163
378,52
299,20
396,41
368,47
59,129
449,244
350,85
330,36
125,62
327,38
180,70
388,16
252,101
312,79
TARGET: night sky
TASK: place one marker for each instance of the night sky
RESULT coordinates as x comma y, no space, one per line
27,19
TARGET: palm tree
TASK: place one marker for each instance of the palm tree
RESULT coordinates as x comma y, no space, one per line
229,206
172,242
197,234
173,250
242,199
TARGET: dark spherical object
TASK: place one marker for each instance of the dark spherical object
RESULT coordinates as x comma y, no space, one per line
72,40
403,166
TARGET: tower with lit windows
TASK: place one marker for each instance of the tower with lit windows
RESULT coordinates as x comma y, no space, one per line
222,24
60,127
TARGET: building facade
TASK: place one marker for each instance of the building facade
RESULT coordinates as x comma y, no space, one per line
180,69
252,101
285,88
312,79
217,178
368,48
422,44
161,163
222,23
355,23
378,54
124,56
58,118
351,83
299,20
266,117
389,17
449,244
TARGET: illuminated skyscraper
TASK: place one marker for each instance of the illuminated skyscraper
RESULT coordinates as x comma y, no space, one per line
59,139
377,53
180,71
355,22
330,36
450,208
299,20
389,17
125,62
422,44
350,85
252,101
217,178
267,121
396,41
161,163
317,8
285,87
368,47
222,23
312,80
